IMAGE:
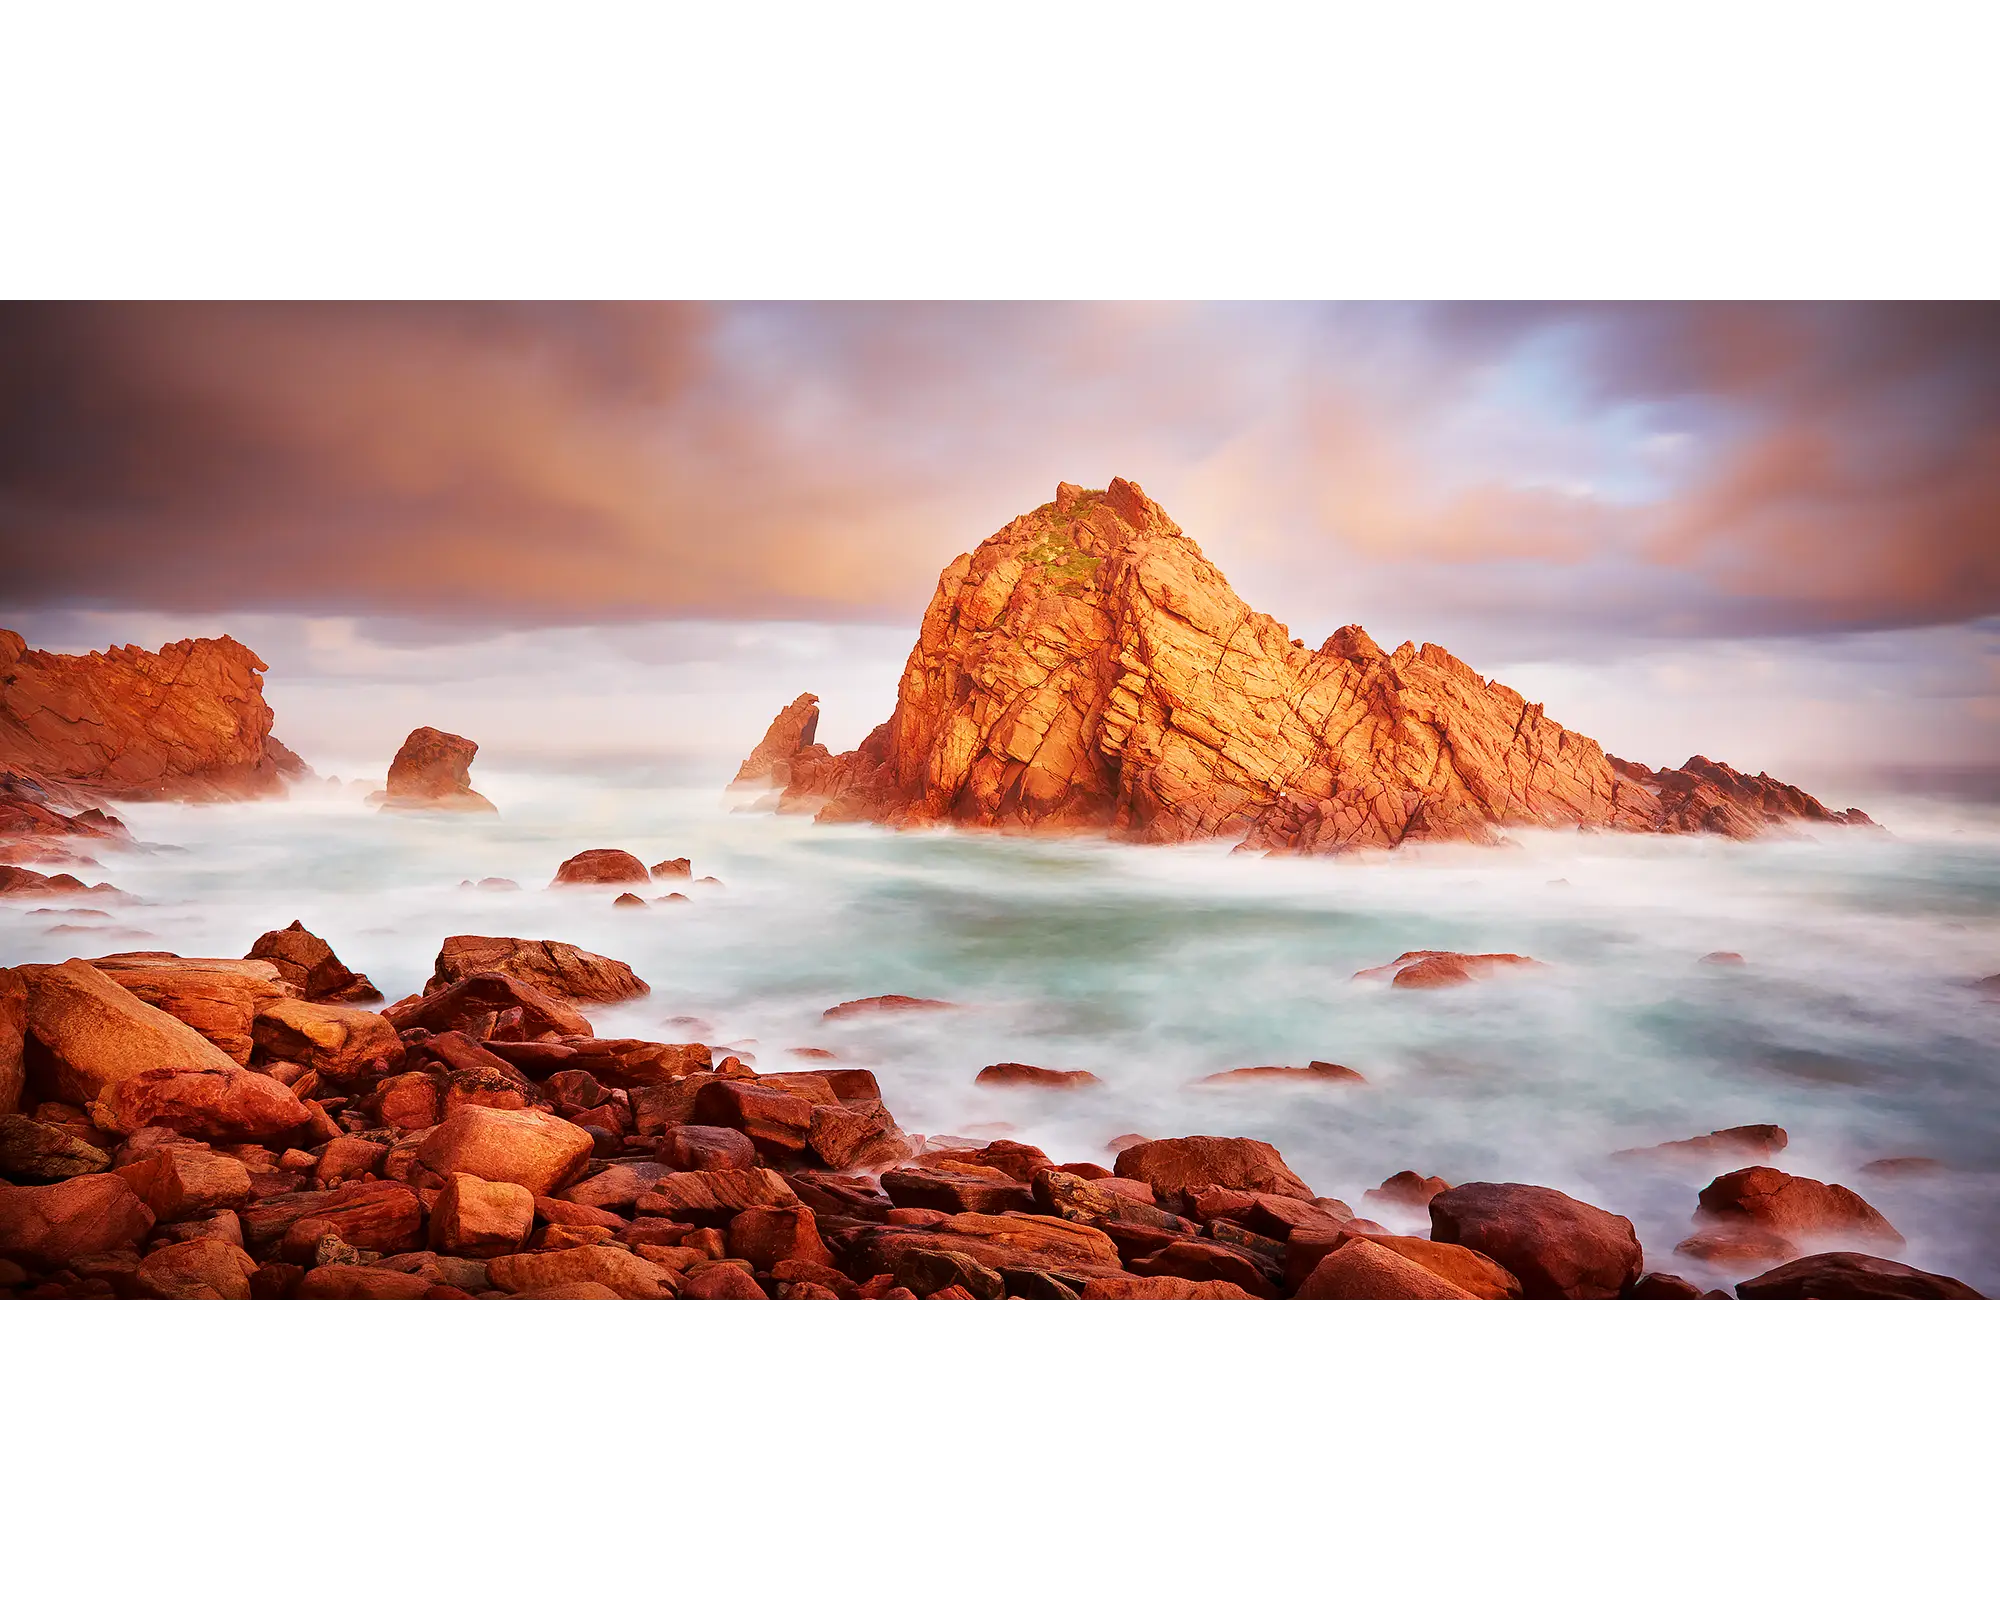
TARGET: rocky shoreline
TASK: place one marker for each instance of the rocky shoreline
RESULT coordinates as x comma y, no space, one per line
242,1128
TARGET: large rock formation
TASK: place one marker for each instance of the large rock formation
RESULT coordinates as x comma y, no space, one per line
791,731
1087,668
432,772
187,722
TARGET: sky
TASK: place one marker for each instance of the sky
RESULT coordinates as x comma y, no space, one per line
1730,527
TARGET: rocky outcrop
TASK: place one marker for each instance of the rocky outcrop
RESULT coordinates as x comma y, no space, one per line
186,722
564,970
35,830
308,964
600,866
790,734
432,772
1087,669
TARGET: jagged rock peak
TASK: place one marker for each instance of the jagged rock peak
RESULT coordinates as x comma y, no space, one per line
1087,668
185,722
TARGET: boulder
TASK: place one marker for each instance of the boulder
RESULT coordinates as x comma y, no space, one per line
628,1276
180,1180
471,1005
372,1214
926,1273
199,1269
1174,1166
1846,1275
96,1033
307,962
472,1217
44,1225
1798,1208
953,1187
340,1043
775,1121
601,866
554,968
1478,1275
1204,1261
1662,1286
539,1152
432,772
348,1282
856,1135
223,1105
725,1281
32,1151
346,1158
1738,1244
1095,1202
1361,1269
696,1148
766,1235
218,999
1560,1248
678,867
1015,1075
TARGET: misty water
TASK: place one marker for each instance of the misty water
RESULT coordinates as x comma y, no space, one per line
1851,1022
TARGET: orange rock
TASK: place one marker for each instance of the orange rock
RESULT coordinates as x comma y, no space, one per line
1406,1188
626,1275
408,1100
1174,1166
341,1282
1443,969
791,732
952,1187
678,867
32,1151
346,1158
1203,1261
539,1152
46,1224
601,866
1087,669
199,1269
1162,1288
96,1032
766,1235
186,722
308,964
726,1282
468,1006
1847,1275
1014,1075
218,999
1560,1248
1737,1244
1727,1144
564,971
1361,1269
221,1105
432,772
885,1003
370,1215
1315,1072
178,1180
340,1043
1799,1208
472,1217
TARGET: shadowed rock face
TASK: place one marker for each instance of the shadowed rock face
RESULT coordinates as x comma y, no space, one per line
1086,668
187,722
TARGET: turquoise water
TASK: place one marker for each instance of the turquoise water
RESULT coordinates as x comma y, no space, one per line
1850,1023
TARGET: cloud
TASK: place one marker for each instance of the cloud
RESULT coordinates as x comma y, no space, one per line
1545,477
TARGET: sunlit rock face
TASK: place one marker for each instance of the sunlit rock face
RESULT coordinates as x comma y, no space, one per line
186,722
1088,669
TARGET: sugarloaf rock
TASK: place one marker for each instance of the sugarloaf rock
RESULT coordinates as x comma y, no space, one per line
432,772
1088,669
185,722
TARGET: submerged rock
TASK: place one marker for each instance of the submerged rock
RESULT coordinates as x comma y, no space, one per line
601,866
